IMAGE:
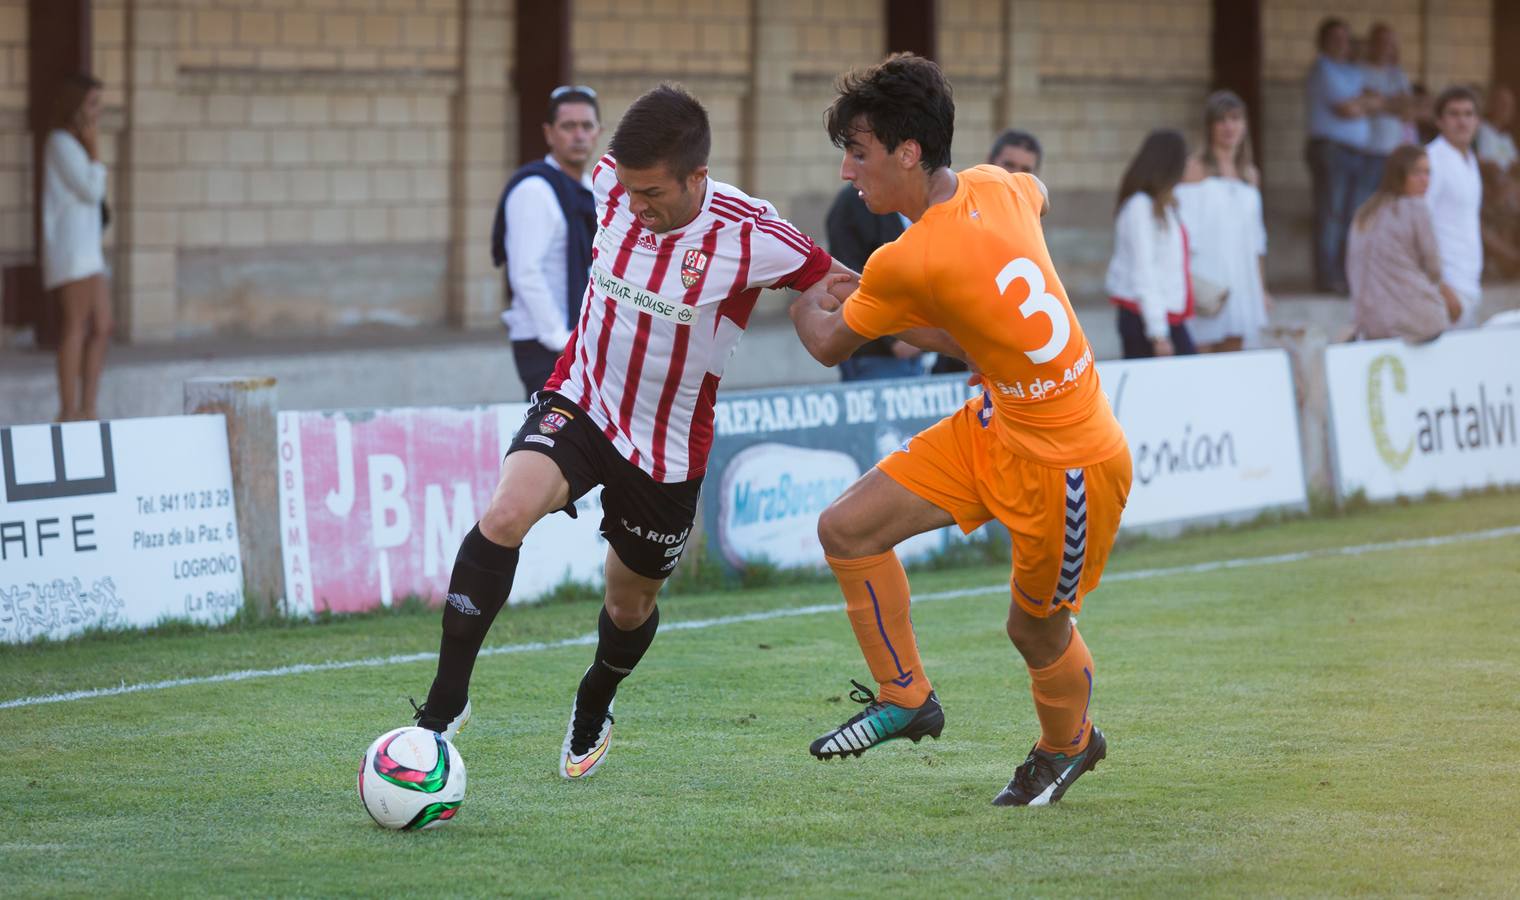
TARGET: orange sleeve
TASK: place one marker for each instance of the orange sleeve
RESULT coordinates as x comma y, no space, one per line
1027,187
892,290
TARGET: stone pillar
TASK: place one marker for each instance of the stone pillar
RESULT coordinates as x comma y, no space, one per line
250,403
152,182
481,125
769,112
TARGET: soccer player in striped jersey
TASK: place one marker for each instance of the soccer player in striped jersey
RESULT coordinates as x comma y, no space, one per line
678,261
1039,450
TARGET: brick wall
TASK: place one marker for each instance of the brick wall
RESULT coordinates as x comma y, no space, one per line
15,138
284,165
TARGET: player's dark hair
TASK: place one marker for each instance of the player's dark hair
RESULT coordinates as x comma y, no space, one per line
666,125
1155,170
1327,25
574,95
1452,95
1016,138
904,98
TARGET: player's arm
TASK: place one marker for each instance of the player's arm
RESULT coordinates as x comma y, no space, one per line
817,316
934,340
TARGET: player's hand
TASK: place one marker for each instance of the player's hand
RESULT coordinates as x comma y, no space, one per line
1163,347
841,285
975,378
818,297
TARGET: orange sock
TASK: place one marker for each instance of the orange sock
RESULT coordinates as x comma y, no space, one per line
876,598
1062,692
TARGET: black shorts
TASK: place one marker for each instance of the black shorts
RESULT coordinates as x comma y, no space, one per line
646,522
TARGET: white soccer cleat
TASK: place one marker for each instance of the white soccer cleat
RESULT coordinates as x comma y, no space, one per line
585,746
449,728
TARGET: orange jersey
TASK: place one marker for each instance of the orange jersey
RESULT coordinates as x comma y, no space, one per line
977,267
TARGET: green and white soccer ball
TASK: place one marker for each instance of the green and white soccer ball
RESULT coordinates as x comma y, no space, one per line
411,778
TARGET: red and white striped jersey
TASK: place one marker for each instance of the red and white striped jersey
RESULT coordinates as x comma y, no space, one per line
663,313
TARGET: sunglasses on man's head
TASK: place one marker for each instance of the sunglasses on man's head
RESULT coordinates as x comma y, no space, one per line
572,89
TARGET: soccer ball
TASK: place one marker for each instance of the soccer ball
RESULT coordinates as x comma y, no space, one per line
411,778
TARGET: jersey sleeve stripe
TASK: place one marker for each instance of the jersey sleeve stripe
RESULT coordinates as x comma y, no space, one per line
765,225
759,212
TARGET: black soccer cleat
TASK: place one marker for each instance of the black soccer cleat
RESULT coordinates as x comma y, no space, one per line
879,722
1045,777
446,726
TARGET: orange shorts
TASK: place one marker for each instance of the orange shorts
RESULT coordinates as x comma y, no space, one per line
1063,521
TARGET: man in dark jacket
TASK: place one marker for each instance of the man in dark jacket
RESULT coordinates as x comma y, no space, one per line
545,222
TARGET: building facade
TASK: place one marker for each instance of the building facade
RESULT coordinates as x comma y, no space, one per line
305,166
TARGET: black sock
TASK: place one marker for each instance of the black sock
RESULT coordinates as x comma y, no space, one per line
617,652
478,589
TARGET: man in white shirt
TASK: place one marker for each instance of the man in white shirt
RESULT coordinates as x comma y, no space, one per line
544,226
1456,199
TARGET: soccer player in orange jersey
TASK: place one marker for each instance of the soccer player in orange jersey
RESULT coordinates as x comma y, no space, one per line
1039,450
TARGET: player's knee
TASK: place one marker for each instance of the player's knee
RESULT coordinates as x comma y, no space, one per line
839,533
630,611
1039,641
506,522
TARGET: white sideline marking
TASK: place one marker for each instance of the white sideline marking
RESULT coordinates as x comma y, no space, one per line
586,640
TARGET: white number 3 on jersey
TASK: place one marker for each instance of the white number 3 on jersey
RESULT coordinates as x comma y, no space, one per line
1038,302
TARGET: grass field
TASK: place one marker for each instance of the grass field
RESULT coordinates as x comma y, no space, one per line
1336,724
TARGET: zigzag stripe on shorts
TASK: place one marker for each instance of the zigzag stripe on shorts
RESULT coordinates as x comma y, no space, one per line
1075,550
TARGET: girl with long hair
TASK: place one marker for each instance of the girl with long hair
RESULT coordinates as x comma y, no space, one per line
1392,260
1148,274
73,264
1227,237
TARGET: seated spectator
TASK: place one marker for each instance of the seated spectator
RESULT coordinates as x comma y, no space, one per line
1392,258
1221,210
1148,275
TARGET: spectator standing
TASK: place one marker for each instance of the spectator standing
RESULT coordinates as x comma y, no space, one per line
854,233
1385,128
1337,102
1148,275
1495,143
545,222
73,263
1016,151
1497,158
1455,198
1226,234
1392,260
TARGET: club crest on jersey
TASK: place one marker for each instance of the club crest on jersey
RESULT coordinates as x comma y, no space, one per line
552,422
693,266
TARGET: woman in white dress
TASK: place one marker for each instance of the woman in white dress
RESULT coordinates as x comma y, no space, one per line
73,265
1221,209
